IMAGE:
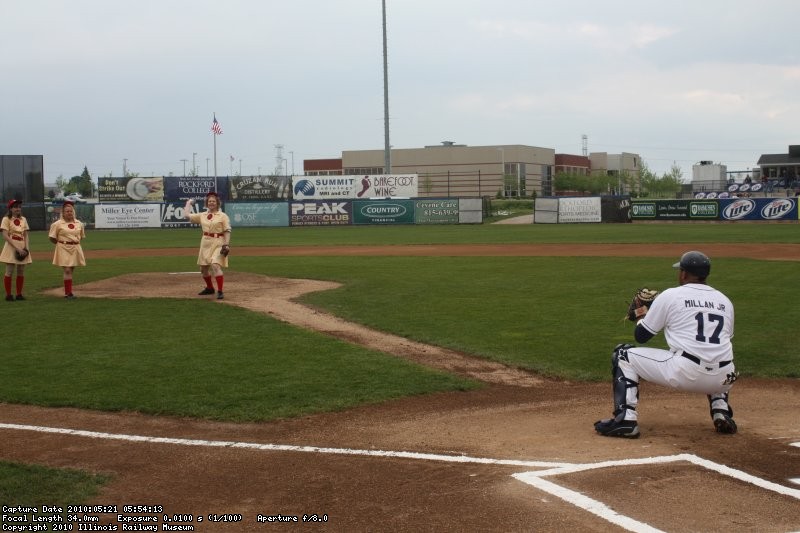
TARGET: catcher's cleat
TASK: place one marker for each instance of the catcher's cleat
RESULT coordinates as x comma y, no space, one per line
724,424
9,298
207,290
610,427
20,297
220,296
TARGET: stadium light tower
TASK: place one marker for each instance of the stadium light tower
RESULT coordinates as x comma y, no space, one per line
387,148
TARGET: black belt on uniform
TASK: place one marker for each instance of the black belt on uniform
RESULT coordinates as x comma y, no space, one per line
696,360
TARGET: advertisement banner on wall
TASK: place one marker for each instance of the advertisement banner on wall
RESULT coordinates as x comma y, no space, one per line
706,210
259,214
178,188
660,210
353,187
331,213
579,209
383,212
130,189
172,215
436,211
122,216
252,188
759,209
616,208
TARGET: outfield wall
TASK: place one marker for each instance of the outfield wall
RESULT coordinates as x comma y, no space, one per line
383,211
592,209
729,209
581,209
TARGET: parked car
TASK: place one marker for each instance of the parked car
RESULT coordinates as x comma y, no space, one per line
75,197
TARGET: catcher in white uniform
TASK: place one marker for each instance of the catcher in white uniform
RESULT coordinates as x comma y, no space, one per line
697,321
215,243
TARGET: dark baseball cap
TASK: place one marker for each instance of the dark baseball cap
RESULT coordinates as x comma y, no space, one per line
696,263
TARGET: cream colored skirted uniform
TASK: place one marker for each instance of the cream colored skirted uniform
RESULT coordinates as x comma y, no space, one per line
16,228
214,225
68,251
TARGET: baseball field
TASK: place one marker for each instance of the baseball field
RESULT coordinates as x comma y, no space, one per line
431,378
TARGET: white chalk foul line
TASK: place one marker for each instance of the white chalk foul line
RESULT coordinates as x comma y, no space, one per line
535,478
285,447
600,509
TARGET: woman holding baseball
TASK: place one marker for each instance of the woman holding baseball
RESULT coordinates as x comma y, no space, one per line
66,233
214,244
15,248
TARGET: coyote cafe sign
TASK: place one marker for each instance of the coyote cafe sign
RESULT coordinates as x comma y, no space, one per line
353,187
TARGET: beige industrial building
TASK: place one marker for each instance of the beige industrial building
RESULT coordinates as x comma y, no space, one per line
457,170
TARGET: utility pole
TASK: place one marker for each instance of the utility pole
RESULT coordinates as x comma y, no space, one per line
387,148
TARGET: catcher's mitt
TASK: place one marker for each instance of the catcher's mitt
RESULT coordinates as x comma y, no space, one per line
225,250
21,254
641,303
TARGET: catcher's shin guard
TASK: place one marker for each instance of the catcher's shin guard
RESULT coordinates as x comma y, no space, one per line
722,413
626,389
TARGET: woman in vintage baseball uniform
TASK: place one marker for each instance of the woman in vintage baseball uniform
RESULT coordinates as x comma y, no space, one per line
66,233
214,244
15,234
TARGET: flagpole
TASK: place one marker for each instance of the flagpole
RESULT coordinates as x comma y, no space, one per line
215,156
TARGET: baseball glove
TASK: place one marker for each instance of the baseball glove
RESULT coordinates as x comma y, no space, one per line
21,254
225,250
641,303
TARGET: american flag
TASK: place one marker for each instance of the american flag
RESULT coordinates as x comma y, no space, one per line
215,127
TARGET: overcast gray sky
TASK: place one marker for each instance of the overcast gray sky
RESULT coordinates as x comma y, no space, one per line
93,82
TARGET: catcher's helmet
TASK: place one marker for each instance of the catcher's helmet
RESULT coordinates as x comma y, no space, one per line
696,263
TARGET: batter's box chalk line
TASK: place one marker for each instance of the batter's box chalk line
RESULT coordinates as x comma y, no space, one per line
601,510
534,478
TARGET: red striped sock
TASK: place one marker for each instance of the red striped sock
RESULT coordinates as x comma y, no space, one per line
219,283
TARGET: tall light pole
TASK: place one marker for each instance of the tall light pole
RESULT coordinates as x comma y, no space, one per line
292,152
194,165
184,167
207,159
124,168
240,167
387,148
